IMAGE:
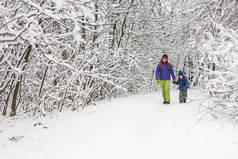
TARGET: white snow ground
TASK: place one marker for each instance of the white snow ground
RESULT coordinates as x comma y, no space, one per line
137,127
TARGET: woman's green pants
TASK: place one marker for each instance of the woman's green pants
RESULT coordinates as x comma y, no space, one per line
164,84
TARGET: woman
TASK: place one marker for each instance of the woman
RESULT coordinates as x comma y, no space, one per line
163,74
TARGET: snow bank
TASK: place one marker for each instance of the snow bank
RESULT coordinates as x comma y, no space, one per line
135,127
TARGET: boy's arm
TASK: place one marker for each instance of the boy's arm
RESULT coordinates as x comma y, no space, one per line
176,82
186,82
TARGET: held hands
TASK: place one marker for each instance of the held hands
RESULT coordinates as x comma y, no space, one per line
157,81
174,82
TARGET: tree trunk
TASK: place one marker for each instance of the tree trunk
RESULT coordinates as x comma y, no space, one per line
124,23
43,80
4,113
83,36
16,90
96,19
14,100
114,34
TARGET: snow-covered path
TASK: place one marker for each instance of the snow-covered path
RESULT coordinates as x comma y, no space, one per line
136,127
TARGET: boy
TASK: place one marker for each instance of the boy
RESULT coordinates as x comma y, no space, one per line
183,86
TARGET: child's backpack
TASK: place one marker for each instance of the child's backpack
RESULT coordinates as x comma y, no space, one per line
160,65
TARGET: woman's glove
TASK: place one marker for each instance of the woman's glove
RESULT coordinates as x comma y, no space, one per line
157,81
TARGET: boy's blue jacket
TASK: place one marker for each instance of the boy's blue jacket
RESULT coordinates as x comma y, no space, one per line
183,83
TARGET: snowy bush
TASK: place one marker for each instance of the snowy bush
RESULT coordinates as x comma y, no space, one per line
215,41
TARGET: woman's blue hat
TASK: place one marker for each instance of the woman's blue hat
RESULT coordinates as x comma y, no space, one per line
180,73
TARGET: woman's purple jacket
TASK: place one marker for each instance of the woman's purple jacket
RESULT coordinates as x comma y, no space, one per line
165,72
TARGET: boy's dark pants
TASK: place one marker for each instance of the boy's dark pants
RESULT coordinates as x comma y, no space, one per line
182,96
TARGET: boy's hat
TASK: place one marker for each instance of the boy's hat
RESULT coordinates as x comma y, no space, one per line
165,56
180,73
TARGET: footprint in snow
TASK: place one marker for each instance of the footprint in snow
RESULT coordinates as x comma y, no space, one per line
15,138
